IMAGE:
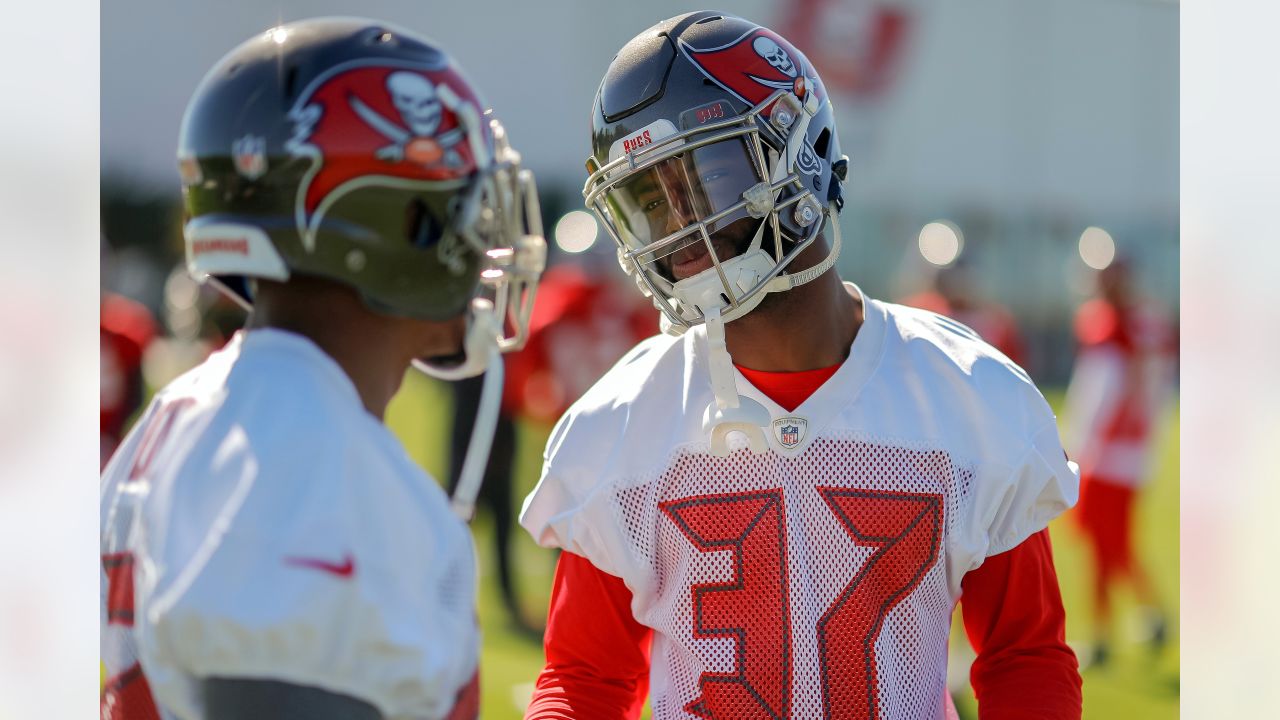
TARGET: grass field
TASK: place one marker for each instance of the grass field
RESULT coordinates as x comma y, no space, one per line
1133,686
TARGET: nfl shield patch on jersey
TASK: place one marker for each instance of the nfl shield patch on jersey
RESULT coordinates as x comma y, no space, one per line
789,431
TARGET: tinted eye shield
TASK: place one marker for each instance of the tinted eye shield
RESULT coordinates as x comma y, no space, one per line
609,190
705,184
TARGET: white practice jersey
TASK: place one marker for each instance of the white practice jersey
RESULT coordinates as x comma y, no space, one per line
816,580
260,523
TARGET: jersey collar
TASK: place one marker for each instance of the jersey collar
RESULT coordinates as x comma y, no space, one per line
840,390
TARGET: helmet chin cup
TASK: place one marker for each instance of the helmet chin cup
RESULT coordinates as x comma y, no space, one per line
748,418
666,327
479,346
705,289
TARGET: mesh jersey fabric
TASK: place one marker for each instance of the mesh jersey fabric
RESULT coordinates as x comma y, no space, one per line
276,530
821,575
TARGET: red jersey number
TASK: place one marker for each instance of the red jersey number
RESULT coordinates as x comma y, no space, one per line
753,608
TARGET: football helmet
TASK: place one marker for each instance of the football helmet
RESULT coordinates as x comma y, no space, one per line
356,151
714,163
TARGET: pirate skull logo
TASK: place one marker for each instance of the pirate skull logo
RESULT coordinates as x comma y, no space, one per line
365,122
421,107
415,98
775,55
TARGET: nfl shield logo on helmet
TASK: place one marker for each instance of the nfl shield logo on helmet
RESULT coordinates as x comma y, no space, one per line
789,431
250,156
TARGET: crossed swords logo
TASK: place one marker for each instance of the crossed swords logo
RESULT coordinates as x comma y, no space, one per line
419,104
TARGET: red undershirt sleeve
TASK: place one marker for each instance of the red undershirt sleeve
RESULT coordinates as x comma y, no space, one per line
1014,618
597,654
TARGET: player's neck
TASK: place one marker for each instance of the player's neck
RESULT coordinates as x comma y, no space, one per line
356,339
805,328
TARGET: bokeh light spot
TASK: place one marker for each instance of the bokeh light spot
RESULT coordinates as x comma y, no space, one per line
576,231
940,243
1097,249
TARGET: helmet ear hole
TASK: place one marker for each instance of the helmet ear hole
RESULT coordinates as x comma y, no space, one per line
820,145
422,228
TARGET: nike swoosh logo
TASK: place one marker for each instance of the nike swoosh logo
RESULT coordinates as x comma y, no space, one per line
344,570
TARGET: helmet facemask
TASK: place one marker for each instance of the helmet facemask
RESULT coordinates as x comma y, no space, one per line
731,186
725,190
735,174
499,219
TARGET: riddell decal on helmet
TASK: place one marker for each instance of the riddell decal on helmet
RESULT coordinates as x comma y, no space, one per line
703,114
754,66
380,123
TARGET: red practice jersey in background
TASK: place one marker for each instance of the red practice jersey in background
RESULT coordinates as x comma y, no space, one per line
581,326
992,321
126,327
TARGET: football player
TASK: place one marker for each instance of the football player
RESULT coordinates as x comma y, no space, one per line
771,510
269,549
126,329
1120,382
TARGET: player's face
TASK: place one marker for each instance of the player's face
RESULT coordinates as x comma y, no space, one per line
681,192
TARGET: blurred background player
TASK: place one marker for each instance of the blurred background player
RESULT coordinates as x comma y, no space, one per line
269,550
954,291
1123,376
126,330
772,509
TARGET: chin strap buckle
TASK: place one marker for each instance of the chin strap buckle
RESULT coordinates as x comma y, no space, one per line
729,412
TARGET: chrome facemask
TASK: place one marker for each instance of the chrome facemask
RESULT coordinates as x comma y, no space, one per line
719,182
668,190
500,219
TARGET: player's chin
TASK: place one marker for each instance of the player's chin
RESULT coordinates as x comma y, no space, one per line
442,344
446,361
693,259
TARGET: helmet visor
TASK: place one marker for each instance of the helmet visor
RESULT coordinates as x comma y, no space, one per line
660,210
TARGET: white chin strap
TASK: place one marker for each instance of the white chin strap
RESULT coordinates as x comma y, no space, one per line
463,502
731,412
480,348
